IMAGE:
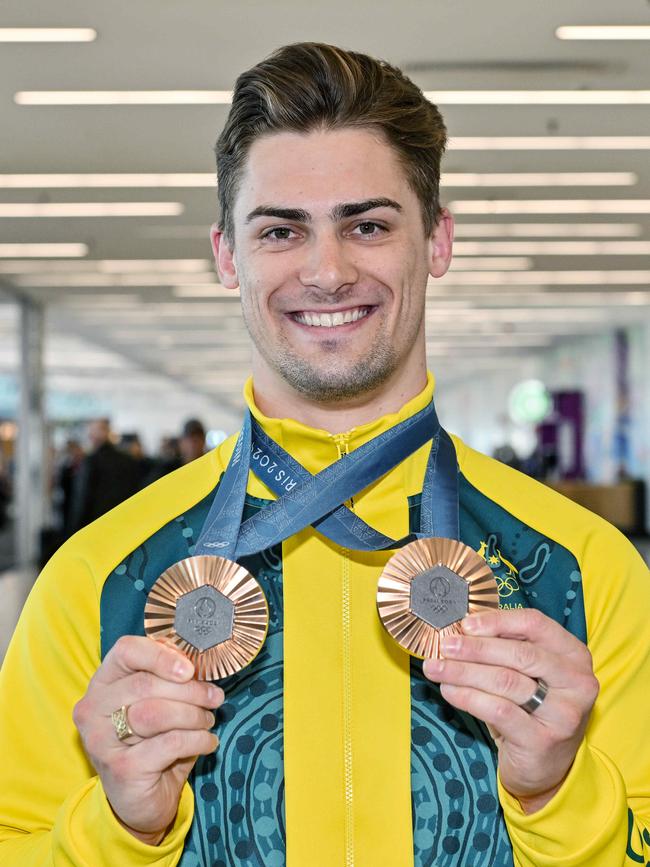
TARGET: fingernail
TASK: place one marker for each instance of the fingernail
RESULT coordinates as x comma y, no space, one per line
471,624
450,644
183,668
432,668
447,690
215,695
217,742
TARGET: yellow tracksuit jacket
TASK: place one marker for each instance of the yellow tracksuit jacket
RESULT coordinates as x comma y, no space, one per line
335,750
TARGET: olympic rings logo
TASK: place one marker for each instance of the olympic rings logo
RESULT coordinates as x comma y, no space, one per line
506,585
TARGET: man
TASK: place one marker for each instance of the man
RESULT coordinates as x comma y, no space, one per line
174,453
192,440
107,477
335,748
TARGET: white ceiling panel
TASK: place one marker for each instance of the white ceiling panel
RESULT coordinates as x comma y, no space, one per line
146,293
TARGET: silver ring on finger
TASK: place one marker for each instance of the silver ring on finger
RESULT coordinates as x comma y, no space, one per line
121,723
537,697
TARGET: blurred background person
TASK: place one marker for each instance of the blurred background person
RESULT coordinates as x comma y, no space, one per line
107,476
192,441
66,473
176,451
131,444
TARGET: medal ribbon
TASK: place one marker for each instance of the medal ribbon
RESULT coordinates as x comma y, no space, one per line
305,499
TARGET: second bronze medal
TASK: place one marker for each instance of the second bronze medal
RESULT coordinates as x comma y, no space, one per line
427,588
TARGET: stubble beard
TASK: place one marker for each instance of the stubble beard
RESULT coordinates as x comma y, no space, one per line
332,379
335,380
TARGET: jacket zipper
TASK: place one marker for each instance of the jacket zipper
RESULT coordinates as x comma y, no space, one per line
342,444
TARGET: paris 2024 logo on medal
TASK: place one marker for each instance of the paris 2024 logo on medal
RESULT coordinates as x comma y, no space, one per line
427,588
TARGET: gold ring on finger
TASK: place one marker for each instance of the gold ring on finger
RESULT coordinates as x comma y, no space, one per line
121,723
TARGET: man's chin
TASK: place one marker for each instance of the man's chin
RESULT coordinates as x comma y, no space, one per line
334,383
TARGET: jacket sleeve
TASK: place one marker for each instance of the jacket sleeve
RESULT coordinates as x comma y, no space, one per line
601,815
53,810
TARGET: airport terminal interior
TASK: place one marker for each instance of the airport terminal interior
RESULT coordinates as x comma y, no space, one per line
115,330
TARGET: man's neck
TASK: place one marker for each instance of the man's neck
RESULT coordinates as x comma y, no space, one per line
276,399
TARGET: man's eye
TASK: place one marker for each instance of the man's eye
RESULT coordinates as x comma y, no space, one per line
369,228
280,233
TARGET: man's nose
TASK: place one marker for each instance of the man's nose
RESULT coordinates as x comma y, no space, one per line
327,264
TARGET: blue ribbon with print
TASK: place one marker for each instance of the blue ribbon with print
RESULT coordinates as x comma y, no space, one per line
305,499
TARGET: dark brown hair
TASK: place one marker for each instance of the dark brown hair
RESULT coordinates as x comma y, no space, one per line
311,85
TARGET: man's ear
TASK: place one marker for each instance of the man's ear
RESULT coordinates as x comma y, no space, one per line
224,258
441,244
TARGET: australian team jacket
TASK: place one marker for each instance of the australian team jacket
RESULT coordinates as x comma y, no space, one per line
335,750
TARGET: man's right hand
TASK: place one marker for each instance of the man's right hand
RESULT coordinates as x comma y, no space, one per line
171,716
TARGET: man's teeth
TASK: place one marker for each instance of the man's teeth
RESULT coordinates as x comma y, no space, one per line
329,320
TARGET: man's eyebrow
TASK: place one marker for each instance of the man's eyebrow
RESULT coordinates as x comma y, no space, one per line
353,209
296,215
338,212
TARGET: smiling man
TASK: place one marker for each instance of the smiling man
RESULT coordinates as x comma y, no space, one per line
525,745
334,290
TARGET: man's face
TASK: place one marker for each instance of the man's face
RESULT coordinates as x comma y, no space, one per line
98,433
332,260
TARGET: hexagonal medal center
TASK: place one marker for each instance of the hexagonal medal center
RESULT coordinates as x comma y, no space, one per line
439,596
204,617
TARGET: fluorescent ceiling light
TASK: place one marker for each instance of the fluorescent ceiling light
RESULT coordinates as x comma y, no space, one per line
550,142
199,370
211,344
102,300
108,266
528,329
506,297
123,97
215,290
190,354
491,263
604,31
547,230
208,180
47,34
551,206
226,329
172,231
451,352
551,278
155,278
580,299
487,363
538,97
12,251
539,179
108,382
13,210
523,314
499,339
440,97
552,248
175,266
179,309
91,181
169,337
83,362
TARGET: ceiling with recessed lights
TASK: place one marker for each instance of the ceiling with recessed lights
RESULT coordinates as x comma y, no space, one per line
105,208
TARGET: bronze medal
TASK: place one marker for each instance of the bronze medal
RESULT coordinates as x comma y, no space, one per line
427,588
211,609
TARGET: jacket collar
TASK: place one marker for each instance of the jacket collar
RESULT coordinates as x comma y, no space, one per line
315,448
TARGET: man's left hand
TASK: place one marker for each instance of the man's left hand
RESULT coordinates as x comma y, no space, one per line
493,668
